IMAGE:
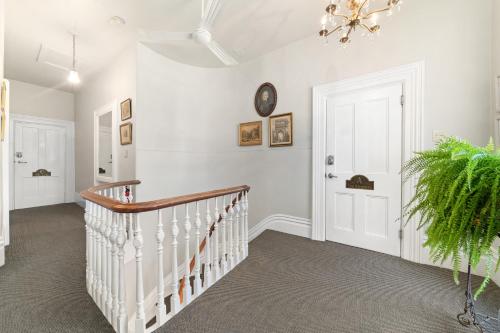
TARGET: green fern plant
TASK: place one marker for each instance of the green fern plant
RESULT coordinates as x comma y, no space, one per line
457,200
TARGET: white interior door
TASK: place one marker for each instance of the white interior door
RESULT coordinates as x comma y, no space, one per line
364,138
39,164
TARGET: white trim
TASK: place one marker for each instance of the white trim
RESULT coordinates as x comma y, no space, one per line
69,126
283,223
412,78
113,108
5,219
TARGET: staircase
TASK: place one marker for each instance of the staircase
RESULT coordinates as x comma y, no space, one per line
214,240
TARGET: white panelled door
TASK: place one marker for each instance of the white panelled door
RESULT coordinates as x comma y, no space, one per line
364,139
39,164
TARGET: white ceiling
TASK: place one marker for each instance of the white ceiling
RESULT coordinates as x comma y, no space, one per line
245,28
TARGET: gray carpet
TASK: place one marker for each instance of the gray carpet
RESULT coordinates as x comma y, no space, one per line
294,285
42,285
287,284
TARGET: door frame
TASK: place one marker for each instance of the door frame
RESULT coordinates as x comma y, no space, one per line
113,108
412,78
69,126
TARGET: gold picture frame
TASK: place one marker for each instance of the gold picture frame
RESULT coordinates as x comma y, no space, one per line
281,130
126,134
250,134
126,109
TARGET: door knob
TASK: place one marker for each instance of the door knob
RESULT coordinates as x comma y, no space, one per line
21,162
331,175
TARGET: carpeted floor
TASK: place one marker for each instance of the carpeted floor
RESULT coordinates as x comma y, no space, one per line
42,285
287,284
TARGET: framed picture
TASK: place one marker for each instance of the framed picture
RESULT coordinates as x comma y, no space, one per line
126,134
266,99
281,130
126,109
251,134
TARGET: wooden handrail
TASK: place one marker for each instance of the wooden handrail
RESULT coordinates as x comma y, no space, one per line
147,206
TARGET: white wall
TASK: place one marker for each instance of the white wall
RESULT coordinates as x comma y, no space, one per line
495,69
116,82
38,101
189,118
2,194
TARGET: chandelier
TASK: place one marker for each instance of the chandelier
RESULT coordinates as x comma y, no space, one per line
345,16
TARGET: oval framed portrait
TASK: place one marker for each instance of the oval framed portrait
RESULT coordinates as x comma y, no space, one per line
266,99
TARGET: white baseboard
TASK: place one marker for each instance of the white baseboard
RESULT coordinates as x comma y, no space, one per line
284,223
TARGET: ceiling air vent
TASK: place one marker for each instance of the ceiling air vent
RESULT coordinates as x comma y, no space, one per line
54,58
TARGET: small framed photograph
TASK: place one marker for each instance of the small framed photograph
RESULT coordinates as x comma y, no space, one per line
126,134
126,109
251,134
281,130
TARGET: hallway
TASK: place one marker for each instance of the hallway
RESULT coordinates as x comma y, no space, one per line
42,285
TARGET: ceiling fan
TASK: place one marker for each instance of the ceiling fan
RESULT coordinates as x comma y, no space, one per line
209,11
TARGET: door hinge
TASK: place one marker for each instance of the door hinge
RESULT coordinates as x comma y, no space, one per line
402,100
400,233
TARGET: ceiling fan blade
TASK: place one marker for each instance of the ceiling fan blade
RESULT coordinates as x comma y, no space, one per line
159,37
210,12
220,53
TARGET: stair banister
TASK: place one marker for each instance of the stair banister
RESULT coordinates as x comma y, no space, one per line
112,219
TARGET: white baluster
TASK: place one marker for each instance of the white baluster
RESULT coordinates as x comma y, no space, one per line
197,267
104,259
114,273
174,300
230,215
207,275
140,319
161,310
224,235
95,237
99,256
88,244
237,227
245,227
216,267
187,270
109,263
122,316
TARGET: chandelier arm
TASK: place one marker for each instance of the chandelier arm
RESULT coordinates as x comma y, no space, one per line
366,27
334,30
341,15
375,12
358,15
